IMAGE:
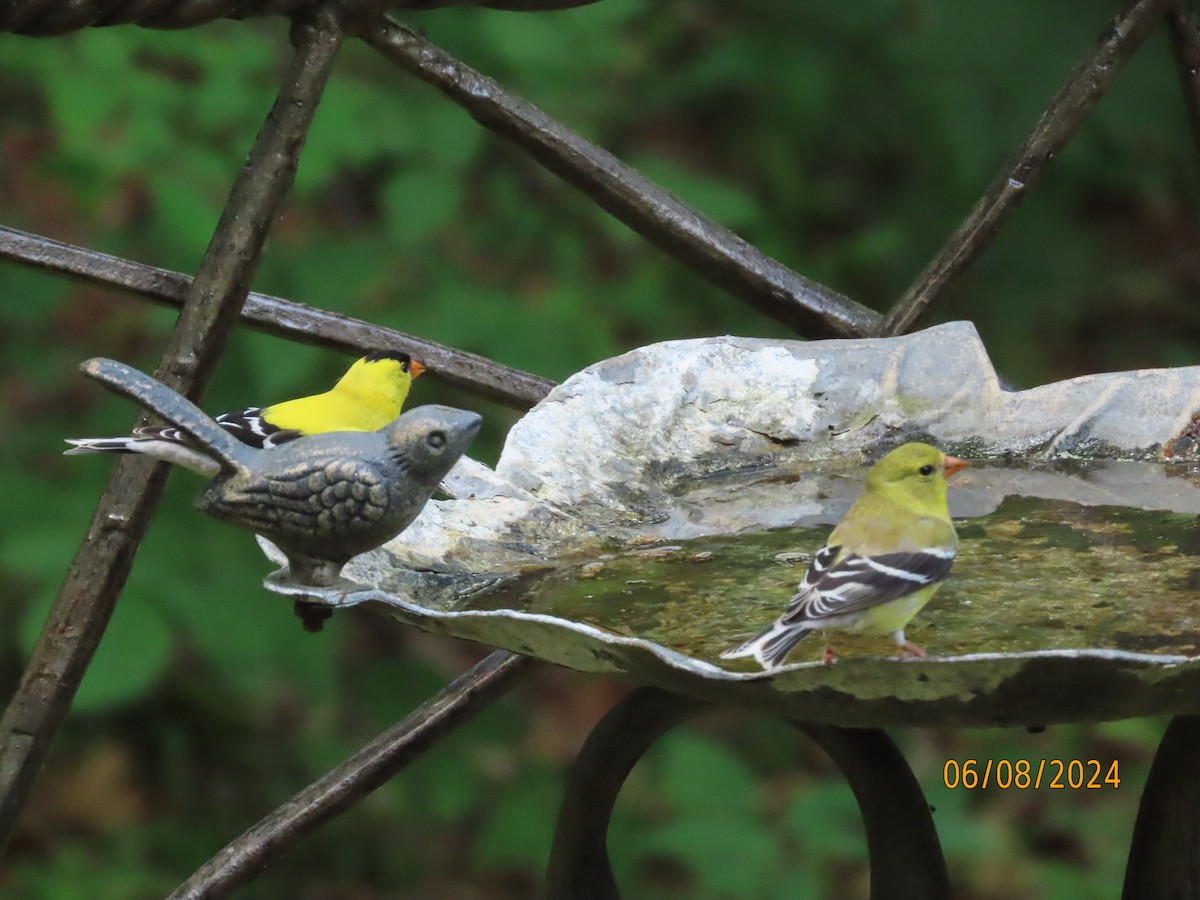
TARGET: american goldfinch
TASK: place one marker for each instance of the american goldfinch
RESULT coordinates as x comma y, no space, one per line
366,398
880,566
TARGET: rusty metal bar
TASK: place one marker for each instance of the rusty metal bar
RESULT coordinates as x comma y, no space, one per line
101,565
714,252
1184,31
1057,124
48,18
335,792
277,316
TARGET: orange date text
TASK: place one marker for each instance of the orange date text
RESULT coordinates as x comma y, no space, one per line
1031,774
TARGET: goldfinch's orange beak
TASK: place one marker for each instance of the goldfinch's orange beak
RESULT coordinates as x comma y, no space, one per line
415,369
953,464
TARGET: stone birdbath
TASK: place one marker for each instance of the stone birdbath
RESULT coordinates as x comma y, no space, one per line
659,507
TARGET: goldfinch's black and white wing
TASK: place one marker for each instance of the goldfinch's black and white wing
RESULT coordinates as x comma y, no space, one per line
837,584
250,426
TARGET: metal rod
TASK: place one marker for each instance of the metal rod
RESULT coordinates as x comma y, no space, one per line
285,318
714,252
335,792
1164,855
902,842
1184,31
906,856
1057,124
47,18
579,868
89,594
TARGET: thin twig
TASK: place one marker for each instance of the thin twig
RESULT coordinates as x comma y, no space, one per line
1185,47
274,315
89,594
714,252
1057,124
335,792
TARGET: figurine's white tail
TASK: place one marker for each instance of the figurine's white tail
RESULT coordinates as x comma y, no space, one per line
223,448
169,451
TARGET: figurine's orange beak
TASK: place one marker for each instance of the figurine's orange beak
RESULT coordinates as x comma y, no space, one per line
954,464
415,369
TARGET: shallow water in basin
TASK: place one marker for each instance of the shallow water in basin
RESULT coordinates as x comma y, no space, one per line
1034,574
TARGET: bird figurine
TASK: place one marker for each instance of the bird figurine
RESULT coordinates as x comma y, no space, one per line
321,499
880,565
366,398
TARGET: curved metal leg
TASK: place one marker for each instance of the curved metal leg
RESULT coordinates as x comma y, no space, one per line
906,857
1164,855
578,868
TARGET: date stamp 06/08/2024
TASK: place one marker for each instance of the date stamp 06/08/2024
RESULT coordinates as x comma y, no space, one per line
1031,774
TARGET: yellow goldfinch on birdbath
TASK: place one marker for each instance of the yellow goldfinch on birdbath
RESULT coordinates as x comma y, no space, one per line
880,565
366,398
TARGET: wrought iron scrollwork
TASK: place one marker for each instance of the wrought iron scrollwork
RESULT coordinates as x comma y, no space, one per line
906,856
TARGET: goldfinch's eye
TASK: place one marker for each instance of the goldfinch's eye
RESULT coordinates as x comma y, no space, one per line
926,469
436,440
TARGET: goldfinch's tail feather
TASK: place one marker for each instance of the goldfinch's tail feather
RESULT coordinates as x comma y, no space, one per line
218,444
171,451
771,647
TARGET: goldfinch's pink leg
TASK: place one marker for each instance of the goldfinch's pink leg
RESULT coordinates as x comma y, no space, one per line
911,650
828,657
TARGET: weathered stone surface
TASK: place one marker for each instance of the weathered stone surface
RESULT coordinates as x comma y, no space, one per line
617,436
641,441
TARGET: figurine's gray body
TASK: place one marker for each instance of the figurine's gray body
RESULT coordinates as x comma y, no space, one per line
321,499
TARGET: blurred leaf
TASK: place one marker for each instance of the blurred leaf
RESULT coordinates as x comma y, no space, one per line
249,635
420,203
700,776
188,211
452,787
520,826
108,875
721,201
729,856
448,135
963,834
824,818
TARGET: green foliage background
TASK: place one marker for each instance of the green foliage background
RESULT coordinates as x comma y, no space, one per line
845,139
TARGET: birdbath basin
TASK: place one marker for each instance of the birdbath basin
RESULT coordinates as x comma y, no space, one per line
660,507
1057,610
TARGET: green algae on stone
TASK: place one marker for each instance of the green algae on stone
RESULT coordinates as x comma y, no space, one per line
1034,575
1056,610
